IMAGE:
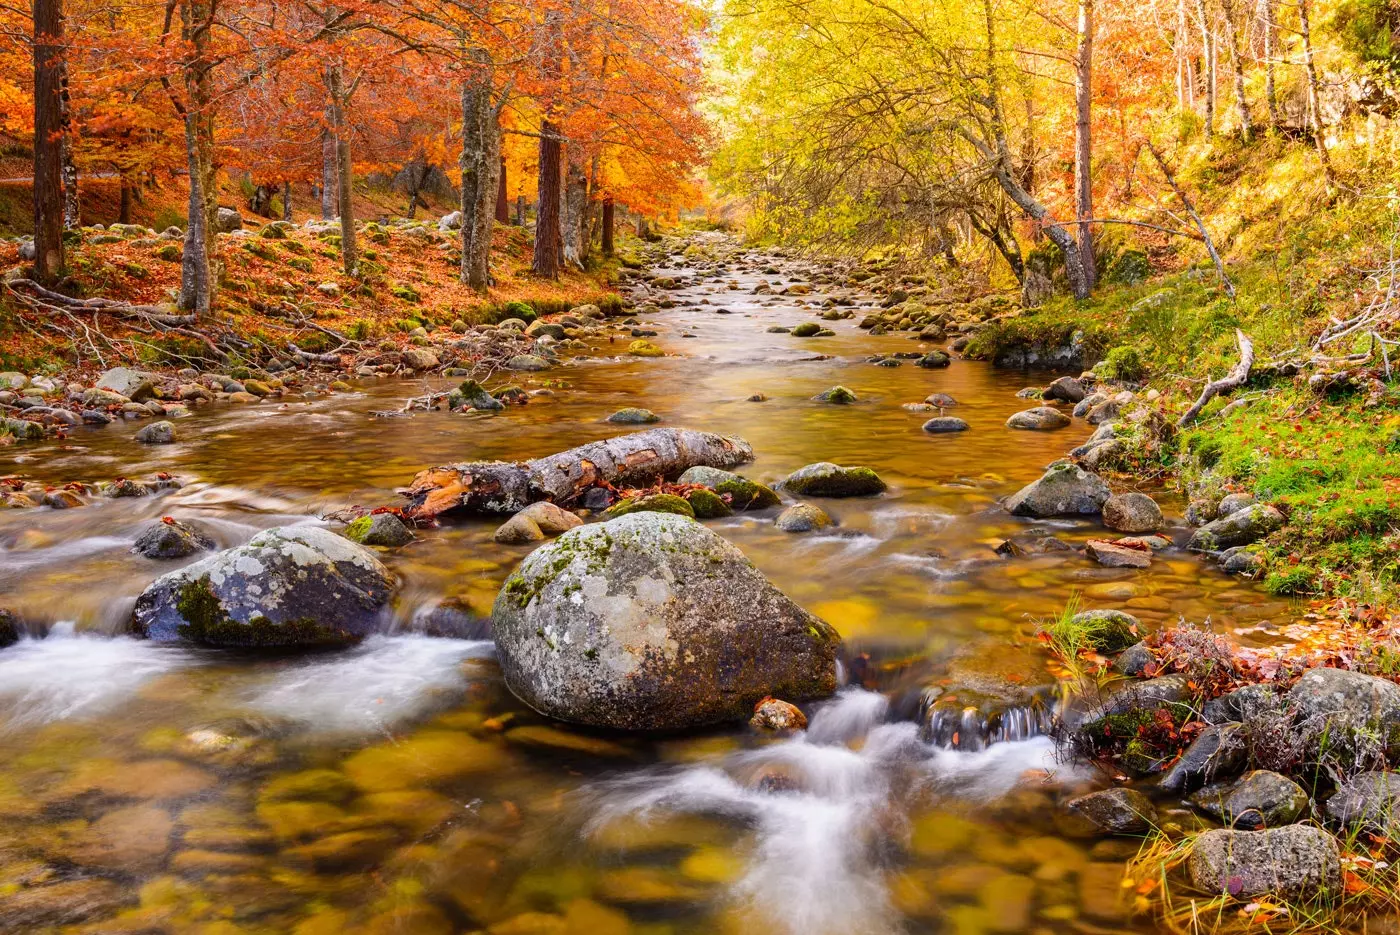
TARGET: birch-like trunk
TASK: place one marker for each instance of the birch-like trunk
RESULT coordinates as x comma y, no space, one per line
198,265
48,130
1083,140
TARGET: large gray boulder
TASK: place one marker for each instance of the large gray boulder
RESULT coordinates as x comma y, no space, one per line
227,220
1064,490
1132,512
653,622
1260,799
287,586
825,479
135,385
1116,811
1239,528
1370,801
1339,700
1039,419
1298,859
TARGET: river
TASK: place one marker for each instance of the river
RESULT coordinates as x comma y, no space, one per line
398,787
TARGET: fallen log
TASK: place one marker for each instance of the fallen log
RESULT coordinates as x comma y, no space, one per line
1234,379
631,460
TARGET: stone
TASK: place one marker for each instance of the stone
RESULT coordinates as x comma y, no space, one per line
933,360
806,330
1116,555
288,586
130,840
1219,752
706,504
1243,704
10,627
527,363
941,400
157,433
1039,419
803,517
379,529
472,394
1064,490
168,538
1259,799
1067,389
535,523
451,221
1368,800
1116,811
135,385
707,476
837,394
61,903
1241,560
772,714
1240,528
941,425
1339,699
634,416
1293,860
1132,512
825,479
644,349
227,220
1233,503
653,622
419,359
1032,545
544,328
1108,631
1135,660
1199,512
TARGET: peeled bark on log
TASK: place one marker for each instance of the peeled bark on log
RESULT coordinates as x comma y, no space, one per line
505,487
1235,378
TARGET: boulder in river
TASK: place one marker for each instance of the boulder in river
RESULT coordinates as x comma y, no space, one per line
1117,555
1116,811
933,360
706,504
1259,799
1338,700
837,394
157,433
825,479
1039,419
1064,490
535,523
776,715
1296,859
632,415
1108,631
942,425
135,385
1219,752
941,400
1239,528
651,503
532,362
803,517
807,329
9,627
653,622
381,529
1068,389
169,538
287,586
1132,512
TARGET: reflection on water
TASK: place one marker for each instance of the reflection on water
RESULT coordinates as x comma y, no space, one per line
398,787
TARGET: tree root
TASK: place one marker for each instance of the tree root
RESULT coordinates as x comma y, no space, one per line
1232,380
35,297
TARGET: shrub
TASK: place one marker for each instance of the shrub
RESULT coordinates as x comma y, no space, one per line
1121,363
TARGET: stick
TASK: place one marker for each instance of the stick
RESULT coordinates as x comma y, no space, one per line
1237,375
1196,218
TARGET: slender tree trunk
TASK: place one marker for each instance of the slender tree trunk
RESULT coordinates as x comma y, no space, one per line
1266,10
198,267
1207,66
349,254
328,180
1083,139
1237,66
519,210
124,211
1185,63
72,202
547,235
48,135
608,225
575,203
480,162
1314,95
502,197
286,200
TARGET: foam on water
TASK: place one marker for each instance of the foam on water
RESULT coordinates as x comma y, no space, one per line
814,866
70,675
384,682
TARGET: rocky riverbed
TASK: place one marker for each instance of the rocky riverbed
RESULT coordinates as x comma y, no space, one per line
204,769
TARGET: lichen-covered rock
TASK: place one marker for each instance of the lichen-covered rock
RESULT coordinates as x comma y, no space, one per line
471,394
1116,811
1239,528
1132,512
169,538
839,395
706,504
825,479
807,329
653,622
1243,704
1233,503
1338,699
1259,799
803,517
1108,631
381,529
1039,419
1064,490
1297,859
1370,801
288,586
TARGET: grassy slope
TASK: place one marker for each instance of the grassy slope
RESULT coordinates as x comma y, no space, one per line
1331,462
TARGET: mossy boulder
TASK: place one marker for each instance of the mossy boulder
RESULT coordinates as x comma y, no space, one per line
652,503
288,586
653,622
839,395
1108,631
807,329
381,529
642,348
632,415
707,504
825,479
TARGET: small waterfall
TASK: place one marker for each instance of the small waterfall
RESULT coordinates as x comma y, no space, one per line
957,725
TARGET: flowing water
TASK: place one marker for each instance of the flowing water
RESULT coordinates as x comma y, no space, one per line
398,787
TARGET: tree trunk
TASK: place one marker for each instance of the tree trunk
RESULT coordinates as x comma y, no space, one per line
519,210
546,262
1266,9
124,212
197,268
575,203
48,135
480,162
1314,95
286,200
1083,140
349,255
608,225
328,181
1185,64
1237,66
627,460
1208,66
502,197
72,201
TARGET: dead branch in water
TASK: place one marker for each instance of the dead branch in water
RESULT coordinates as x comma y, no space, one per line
503,487
1232,380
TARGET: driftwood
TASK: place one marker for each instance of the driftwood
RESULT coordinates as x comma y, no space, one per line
1232,380
36,297
505,487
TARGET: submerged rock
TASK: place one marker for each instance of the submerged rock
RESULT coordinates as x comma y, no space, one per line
653,622
825,479
288,586
1297,859
1117,555
170,538
1039,419
803,517
1064,490
1116,811
634,416
157,433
